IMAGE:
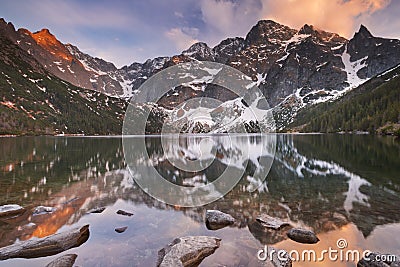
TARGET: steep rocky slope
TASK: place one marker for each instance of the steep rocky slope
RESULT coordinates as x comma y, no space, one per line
372,107
34,101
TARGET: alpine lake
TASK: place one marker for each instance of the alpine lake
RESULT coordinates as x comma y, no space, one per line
341,186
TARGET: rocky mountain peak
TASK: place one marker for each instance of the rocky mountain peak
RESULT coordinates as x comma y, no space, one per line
6,28
267,23
375,53
322,37
266,30
199,50
45,31
230,41
4,23
44,35
24,31
49,42
227,48
197,45
307,29
363,32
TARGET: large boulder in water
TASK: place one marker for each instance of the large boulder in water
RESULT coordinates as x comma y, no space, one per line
216,219
50,245
302,236
187,251
271,222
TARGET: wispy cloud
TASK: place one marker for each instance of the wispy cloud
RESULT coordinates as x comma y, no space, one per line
227,18
233,18
182,38
337,16
178,14
146,29
80,14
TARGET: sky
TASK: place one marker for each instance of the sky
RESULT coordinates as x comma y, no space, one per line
124,32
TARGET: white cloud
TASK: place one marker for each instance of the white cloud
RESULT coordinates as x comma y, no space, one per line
332,15
225,18
178,14
161,29
183,38
68,13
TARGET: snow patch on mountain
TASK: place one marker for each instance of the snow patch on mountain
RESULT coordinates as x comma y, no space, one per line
260,78
89,68
127,89
296,39
351,68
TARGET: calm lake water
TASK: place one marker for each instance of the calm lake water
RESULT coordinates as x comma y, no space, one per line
340,186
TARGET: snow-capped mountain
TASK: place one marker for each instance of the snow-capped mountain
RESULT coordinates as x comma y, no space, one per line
292,68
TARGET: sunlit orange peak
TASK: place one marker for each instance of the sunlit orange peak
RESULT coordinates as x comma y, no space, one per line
48,41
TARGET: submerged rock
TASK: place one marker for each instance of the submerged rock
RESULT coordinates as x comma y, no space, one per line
125,213
42,210
97,210
187,251
302,236
271,222
216,219
47,246
27,227
375,259
268,235
121,229
63,261
11,210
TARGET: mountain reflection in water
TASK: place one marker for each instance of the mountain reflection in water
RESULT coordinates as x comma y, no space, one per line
340,186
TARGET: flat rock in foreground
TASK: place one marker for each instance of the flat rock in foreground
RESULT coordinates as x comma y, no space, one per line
302,236
63,261
216,219
271,222
187,251
47,246
11,210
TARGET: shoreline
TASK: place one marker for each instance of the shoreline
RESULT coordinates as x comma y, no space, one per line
193,134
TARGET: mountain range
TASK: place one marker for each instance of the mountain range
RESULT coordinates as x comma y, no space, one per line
298,71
